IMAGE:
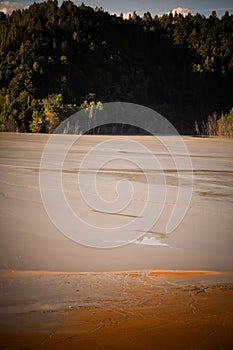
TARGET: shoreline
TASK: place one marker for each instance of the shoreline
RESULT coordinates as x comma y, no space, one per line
183,274
159,271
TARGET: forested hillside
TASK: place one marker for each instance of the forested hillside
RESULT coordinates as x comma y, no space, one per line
54,58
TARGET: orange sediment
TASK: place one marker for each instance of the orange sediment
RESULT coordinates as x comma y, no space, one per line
117,310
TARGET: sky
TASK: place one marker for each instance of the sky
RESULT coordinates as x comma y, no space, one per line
158,7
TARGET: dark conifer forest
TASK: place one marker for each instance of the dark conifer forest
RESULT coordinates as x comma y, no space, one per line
53,58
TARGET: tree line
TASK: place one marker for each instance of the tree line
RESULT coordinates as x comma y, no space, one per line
53,58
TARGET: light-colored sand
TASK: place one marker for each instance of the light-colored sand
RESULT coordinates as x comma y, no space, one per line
121,310
29,241
143,309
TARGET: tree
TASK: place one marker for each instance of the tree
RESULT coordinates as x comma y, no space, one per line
38,122
53,108
90,109
180,66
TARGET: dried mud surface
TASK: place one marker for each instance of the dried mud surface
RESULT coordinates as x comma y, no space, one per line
116,310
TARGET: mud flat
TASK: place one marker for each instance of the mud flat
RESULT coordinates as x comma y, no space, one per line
171,292
114,310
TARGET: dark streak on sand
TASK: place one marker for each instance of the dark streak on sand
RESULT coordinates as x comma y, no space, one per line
118,214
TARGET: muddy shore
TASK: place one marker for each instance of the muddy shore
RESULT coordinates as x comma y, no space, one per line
120,310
